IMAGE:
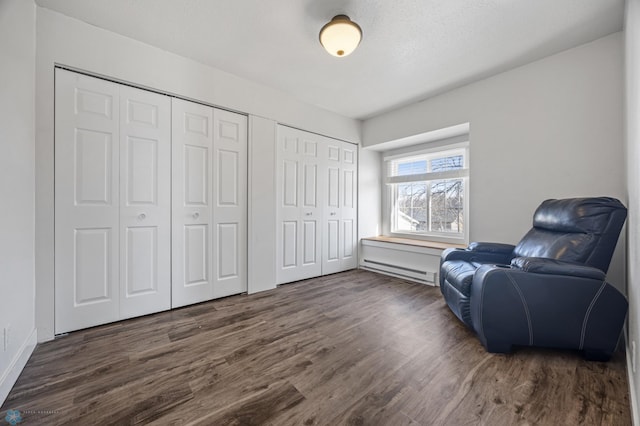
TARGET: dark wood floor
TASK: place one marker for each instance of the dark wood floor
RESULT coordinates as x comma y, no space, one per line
354,348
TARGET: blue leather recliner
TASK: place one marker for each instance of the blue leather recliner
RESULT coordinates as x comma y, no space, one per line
550,289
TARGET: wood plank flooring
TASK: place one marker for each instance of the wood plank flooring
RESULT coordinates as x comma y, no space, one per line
355,348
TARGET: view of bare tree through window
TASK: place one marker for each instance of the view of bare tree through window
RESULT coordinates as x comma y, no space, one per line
432,206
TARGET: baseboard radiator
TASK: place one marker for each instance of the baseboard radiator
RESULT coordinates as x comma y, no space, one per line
422,276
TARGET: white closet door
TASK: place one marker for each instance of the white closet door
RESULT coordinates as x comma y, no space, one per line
339,240
230,205
299,193
86,202
192,195
331,233
349,207
145,202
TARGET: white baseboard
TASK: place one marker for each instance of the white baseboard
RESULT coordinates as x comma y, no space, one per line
11,374
633,397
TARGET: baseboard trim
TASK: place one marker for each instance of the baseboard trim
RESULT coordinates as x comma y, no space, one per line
12,373
633,400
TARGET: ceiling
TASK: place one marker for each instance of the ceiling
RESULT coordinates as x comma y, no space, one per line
411,49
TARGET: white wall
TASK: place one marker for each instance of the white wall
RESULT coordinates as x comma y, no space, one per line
632,127
549,129
72,43
369,193
17,176
262,204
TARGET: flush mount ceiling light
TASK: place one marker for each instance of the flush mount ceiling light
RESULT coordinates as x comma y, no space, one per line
341,36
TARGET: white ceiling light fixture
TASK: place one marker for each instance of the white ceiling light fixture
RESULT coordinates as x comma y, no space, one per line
340,36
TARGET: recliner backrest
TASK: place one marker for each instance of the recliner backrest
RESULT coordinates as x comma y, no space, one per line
581,230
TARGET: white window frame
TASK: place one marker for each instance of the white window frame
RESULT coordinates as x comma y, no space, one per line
461,144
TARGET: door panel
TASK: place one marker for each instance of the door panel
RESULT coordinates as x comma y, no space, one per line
92,96
196,255
349,189
92,252
93,167
290,183
348,228
228,175
196,175
333,154
310,185
230,207
310,237
340,210
141,265
348,209
145,202
333,243
333,185
86,202
192,148
142,173
227,250
289,244
331,209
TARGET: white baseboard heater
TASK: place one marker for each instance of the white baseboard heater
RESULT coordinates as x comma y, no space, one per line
419,264
400,271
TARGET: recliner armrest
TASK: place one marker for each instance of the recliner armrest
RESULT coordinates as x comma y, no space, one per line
481,252
497,248
540,265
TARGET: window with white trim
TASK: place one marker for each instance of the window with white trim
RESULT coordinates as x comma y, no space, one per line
427,193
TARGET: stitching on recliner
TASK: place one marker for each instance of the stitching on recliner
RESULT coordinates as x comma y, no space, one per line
593,253
526,308
482,312
588,313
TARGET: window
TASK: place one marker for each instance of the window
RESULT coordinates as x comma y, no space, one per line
427,193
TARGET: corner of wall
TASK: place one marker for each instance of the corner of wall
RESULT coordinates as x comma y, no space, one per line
632,155
9,377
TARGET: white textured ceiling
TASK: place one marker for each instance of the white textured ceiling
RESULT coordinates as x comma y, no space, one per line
411,49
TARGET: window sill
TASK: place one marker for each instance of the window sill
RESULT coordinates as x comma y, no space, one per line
415,242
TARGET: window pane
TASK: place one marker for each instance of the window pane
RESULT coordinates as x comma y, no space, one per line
447,206
411,213
452,162
405,168
434,207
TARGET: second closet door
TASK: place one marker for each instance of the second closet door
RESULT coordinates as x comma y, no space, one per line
340,208
300,191
209,203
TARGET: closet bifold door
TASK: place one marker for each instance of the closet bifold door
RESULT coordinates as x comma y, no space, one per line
339,238
145,202
300,190
348,249
111,202
87,151
209,203
230,203
192,195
